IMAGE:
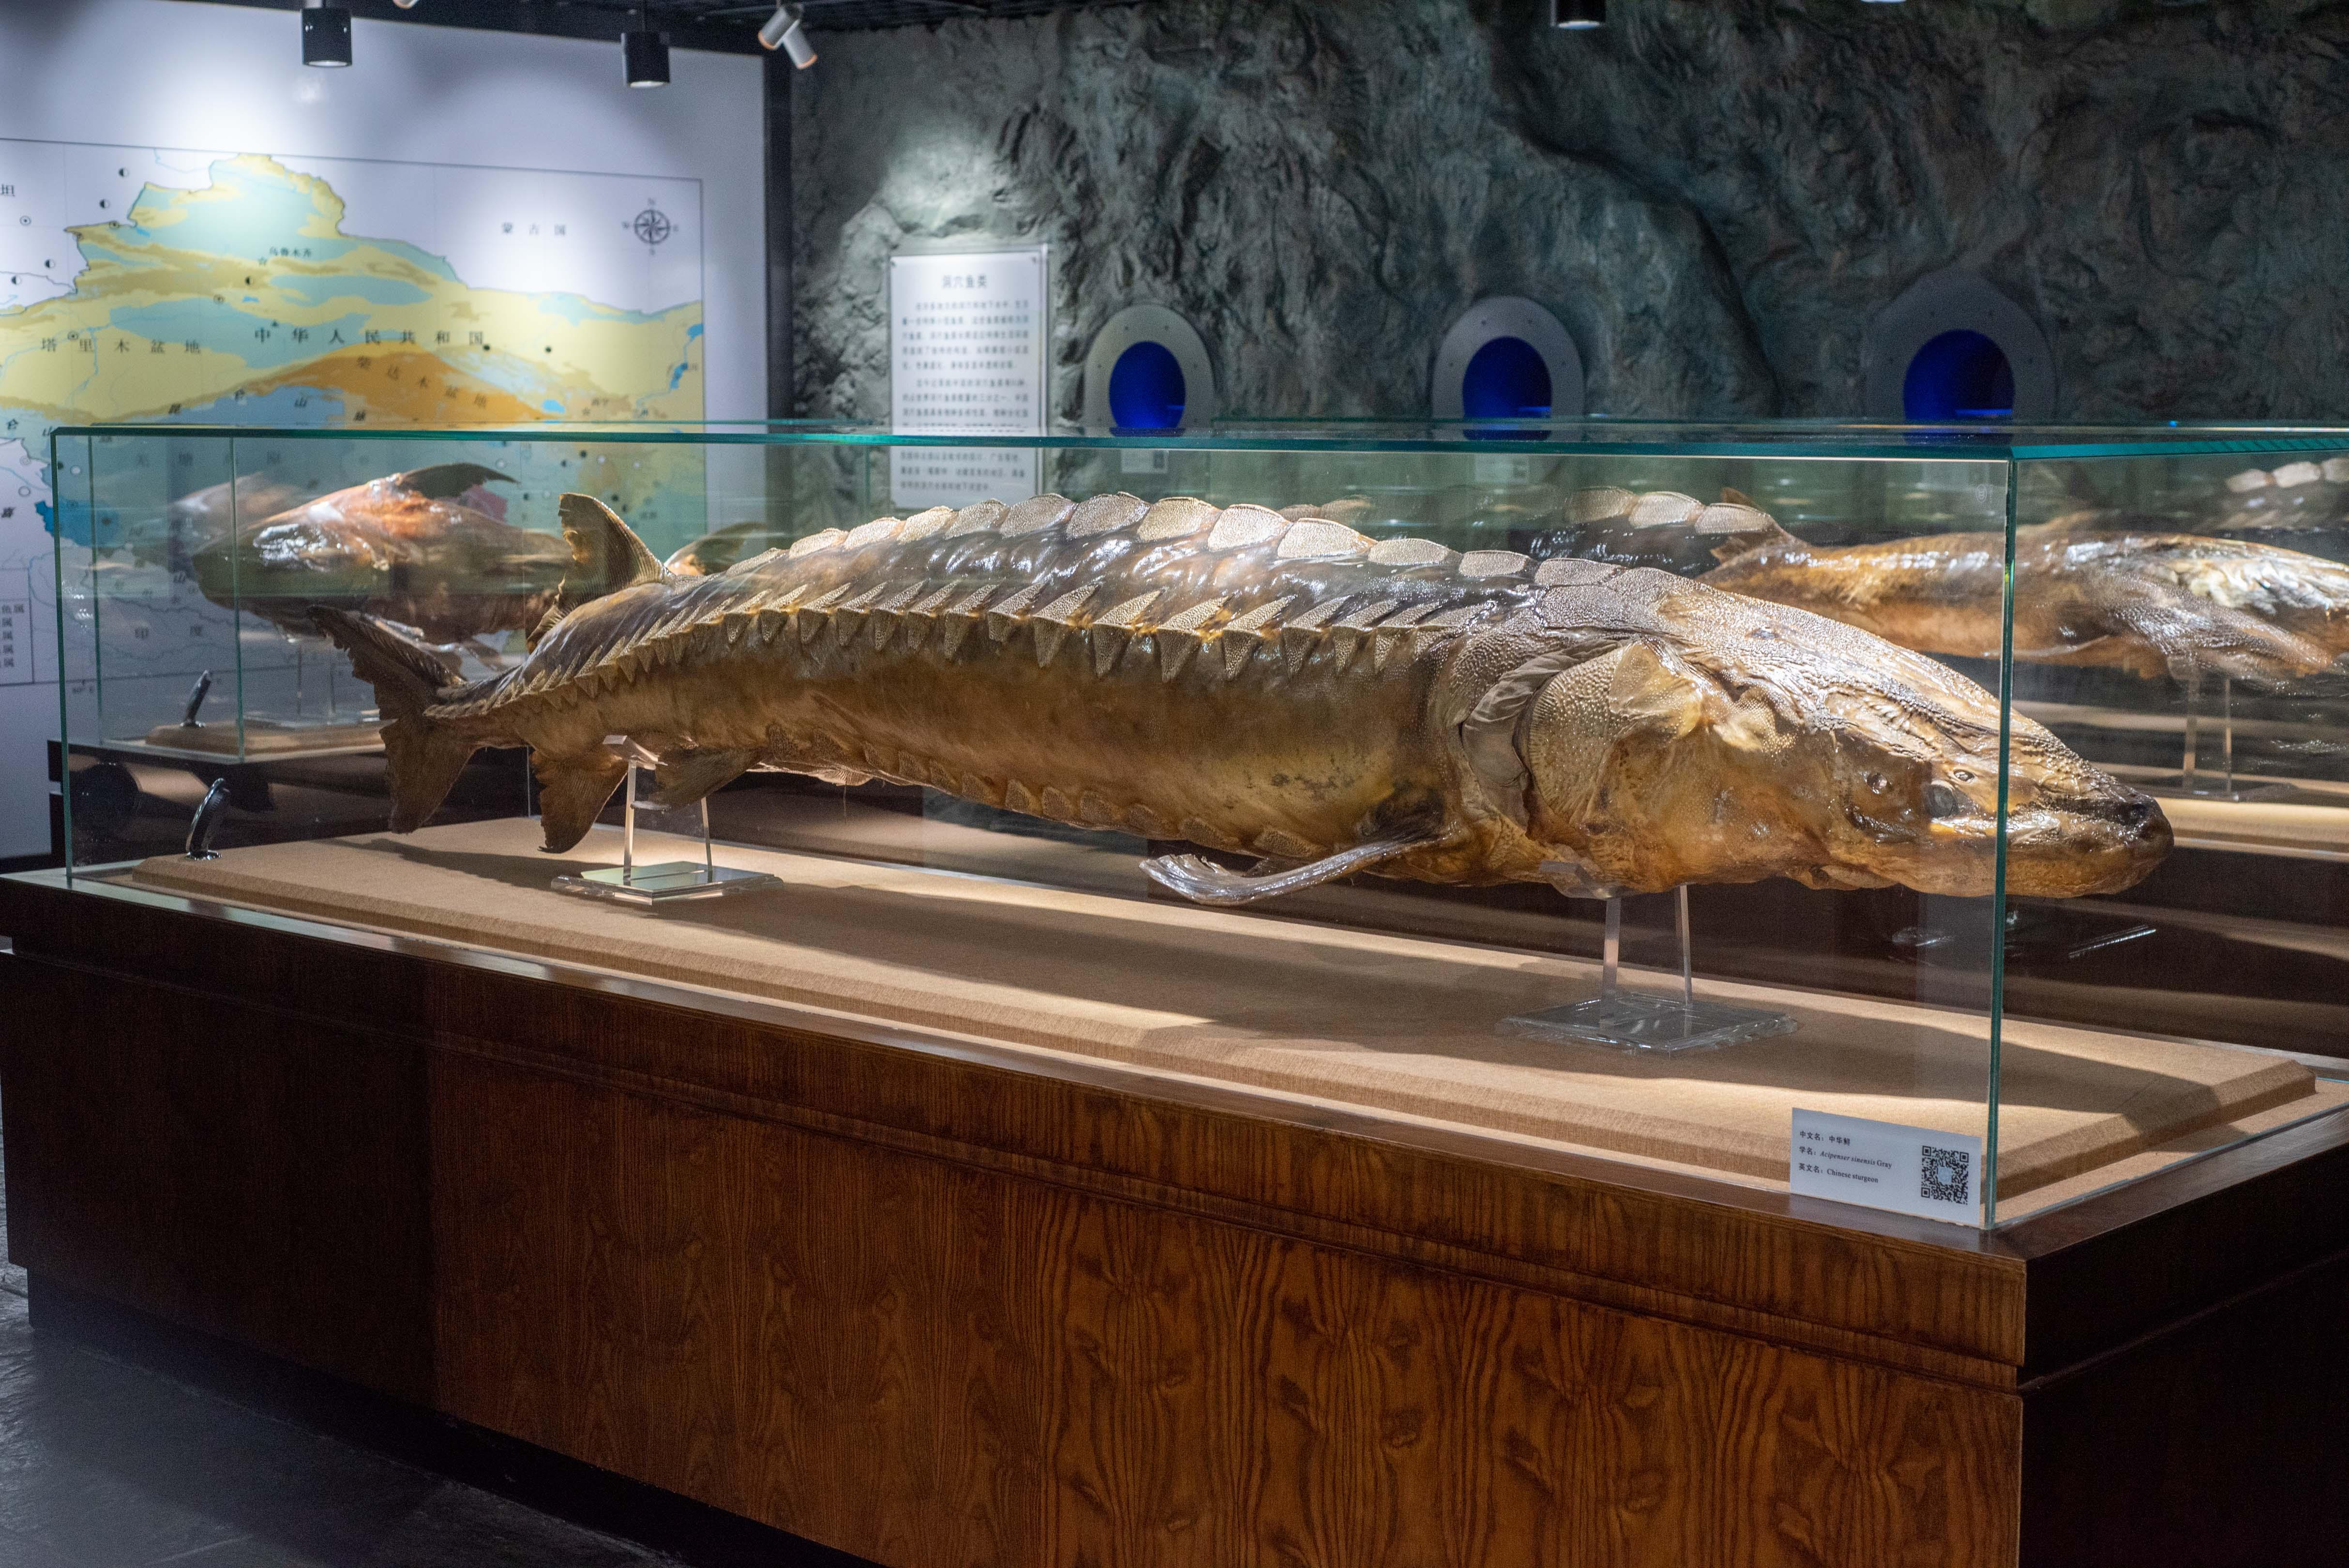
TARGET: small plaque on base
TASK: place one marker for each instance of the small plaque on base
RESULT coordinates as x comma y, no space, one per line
667,882
1635,1021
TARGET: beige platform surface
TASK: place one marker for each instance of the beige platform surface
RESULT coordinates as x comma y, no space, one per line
1400,1025
266,739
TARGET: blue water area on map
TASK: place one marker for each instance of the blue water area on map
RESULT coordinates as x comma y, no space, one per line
677,373
285,406
375,290
551,406
693,331
250,212
230,329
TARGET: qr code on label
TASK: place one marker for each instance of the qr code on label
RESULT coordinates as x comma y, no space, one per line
1948,1176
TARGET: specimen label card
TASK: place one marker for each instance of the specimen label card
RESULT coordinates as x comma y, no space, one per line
1884,1165
969,338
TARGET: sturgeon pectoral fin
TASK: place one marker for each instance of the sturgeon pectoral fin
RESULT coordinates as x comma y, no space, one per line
685,777
1204,882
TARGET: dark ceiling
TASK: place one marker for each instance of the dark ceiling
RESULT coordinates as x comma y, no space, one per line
840,15
732,25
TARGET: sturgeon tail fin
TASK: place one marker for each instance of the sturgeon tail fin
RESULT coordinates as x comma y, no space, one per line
425,756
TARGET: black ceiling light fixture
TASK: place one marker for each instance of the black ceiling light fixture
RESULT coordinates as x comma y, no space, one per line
644,52
786,30
325,33
1578,15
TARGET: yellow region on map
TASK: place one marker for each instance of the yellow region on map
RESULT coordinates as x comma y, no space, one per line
248,286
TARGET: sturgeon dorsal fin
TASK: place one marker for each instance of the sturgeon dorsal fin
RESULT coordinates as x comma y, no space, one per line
1742,526
445,480
1204,882
605,557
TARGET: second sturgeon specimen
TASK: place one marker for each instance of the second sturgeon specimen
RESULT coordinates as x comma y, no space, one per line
2092,588
1286,688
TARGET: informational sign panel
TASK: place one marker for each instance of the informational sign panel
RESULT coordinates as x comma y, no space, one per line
969,335
1884,1165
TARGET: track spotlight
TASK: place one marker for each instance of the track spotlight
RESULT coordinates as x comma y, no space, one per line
405,4
784,31
644,53
325,33
1578,15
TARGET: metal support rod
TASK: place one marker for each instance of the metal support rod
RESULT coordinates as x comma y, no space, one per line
1611,954
2227,731
628,827
2193,730
1688,963
708,858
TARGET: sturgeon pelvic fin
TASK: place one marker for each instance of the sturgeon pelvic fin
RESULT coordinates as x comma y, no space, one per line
688,776
424,757
1204,882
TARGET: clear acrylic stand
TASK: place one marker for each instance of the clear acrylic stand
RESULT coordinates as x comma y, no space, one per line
2193,780
1642,1021
666,881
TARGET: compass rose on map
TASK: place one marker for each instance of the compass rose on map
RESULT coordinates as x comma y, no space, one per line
652,225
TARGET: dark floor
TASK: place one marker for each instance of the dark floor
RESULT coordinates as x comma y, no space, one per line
104,1464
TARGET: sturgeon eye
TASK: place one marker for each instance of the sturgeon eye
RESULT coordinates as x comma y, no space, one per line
1943,801
1874,781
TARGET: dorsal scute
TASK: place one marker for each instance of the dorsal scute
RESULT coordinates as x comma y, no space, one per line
1177,517
1483,566
1034,515
1314,538
1239,527
1410,553
979,517
1106,514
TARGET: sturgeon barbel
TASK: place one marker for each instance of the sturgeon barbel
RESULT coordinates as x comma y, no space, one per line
1286,688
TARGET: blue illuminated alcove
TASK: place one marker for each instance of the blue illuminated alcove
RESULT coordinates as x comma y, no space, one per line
1146,389
1959,374
1505,379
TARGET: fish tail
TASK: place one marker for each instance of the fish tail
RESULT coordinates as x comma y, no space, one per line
425,754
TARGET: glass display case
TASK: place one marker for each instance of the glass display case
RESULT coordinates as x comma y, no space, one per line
1953,821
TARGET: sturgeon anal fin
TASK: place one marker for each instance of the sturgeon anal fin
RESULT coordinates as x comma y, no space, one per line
572,792
447,480
687,776
1204,882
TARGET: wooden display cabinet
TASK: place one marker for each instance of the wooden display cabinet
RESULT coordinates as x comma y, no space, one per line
941,1303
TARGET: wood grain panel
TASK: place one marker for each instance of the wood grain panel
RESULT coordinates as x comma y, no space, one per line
929,1364
221,1167
1906,1293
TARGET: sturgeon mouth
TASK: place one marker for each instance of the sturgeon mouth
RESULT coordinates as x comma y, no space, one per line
2101,843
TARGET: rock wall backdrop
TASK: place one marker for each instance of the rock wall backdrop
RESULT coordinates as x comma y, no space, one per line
1715,196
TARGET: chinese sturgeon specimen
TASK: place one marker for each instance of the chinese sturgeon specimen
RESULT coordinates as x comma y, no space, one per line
2091,589
1282,688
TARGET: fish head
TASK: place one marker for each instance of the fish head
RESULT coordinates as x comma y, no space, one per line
1734,739
311,549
